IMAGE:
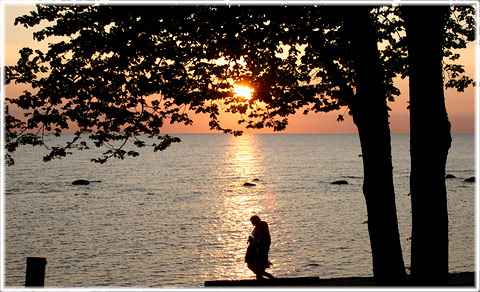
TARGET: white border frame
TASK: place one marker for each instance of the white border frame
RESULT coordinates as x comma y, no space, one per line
229,3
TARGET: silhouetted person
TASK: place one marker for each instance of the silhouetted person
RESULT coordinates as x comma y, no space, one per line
257,250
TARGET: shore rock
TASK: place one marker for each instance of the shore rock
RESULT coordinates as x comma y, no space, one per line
80,182
470,179
450,176
340,182
247,184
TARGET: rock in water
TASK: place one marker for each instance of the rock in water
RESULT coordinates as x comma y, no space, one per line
340,182
247,184
450,176
470,179
81,182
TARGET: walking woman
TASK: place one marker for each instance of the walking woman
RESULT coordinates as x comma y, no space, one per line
257,250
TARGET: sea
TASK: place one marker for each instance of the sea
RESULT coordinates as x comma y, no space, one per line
180,217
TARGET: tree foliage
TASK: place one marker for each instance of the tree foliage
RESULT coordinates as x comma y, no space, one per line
122,71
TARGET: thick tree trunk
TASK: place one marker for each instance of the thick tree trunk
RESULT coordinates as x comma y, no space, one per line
430,141
369,110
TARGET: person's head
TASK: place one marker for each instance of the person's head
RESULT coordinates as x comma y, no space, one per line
255,220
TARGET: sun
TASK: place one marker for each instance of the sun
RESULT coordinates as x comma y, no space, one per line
243,91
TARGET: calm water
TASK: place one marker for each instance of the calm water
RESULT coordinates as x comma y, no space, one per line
180,217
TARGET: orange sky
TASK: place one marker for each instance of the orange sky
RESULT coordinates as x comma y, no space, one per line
460,106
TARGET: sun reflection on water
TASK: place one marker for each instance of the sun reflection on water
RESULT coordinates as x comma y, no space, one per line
243,159
243,163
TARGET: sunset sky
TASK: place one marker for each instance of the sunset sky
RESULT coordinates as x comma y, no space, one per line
460,106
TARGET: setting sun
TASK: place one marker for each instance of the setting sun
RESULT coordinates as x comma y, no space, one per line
243,91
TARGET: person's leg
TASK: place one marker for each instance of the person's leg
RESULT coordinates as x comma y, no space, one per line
270,276
259,272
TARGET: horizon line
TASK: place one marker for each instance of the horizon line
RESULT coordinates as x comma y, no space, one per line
273,133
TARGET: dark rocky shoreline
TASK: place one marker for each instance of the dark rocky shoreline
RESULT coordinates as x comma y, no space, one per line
464,279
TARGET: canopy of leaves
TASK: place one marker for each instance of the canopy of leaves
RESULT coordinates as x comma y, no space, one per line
122,71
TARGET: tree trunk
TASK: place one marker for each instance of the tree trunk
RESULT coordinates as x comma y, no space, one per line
369,110
430,141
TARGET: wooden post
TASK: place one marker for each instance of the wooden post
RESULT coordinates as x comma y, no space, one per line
35,272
